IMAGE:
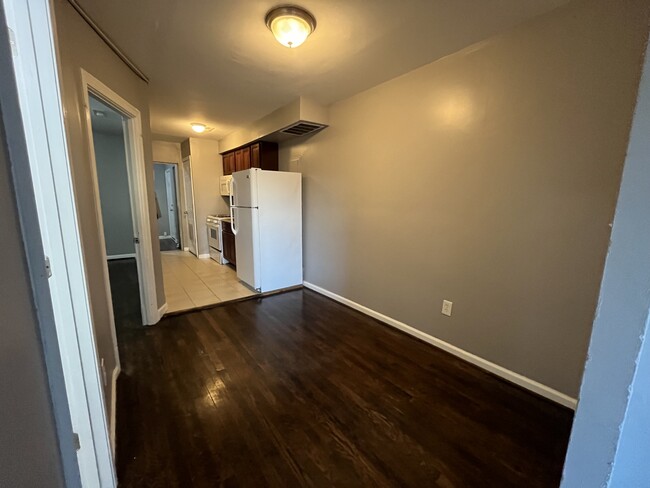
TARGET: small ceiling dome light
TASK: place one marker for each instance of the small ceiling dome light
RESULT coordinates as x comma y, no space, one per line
290,24
198,128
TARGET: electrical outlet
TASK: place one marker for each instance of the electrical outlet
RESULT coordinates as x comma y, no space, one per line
446,307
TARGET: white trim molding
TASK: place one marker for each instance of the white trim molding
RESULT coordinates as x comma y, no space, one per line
120,256
187,161
114,376
204,256
135,163
511,376
162,310
37,79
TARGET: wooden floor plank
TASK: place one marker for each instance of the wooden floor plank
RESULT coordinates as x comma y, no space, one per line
297,390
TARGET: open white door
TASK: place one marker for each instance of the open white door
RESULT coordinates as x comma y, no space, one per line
42,118
172,210
190,219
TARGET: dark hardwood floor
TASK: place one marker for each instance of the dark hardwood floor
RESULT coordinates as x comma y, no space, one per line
125,292
297,390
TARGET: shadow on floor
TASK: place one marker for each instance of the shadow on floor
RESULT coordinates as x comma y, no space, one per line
169,245
125,292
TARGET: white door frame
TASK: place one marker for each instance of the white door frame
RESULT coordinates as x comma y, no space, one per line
191,196
180,200
135,165
170,188
37,78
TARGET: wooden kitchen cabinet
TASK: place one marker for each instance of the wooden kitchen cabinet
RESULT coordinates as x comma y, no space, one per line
228,242
255,155
246,157
242,158
229,163
239,160
262,154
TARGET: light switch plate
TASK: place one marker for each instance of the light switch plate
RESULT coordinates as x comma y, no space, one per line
446,307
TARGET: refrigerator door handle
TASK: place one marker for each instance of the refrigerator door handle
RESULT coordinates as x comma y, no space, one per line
233,226
232,223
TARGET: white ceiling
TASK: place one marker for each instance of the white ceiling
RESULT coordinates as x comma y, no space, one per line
214,61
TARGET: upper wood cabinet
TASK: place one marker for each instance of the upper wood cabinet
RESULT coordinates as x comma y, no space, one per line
239,160
246,157
255,155
263,155
229,163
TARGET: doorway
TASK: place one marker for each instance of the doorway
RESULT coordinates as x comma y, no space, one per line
114,131
166,188
109,147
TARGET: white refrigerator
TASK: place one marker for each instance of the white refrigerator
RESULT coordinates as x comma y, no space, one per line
266,212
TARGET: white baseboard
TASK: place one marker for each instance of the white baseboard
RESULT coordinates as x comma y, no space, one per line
186,249
204,256
162,310
165,237
504,373
120,256
116,373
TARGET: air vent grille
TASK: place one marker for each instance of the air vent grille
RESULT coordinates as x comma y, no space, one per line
302,128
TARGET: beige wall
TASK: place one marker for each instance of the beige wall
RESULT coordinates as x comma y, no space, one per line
79,47
488,178
166,152
302,108
207,168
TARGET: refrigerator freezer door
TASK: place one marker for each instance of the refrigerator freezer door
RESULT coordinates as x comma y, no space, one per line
247,246
245,188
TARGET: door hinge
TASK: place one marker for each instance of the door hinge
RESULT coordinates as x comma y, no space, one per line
12,43
136,240
75,441
48,268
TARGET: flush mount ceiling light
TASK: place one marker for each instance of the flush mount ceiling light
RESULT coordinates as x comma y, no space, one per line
198,128
290,24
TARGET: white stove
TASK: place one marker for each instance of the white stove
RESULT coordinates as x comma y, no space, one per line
214,237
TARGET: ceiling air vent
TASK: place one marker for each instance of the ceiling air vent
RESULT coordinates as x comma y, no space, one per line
303,128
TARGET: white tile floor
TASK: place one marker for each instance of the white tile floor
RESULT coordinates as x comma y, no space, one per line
191,282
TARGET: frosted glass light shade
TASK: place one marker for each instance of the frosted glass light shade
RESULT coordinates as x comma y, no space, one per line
290,25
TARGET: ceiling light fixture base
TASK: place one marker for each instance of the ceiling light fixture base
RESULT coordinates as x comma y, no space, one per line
290,24
198,128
